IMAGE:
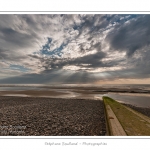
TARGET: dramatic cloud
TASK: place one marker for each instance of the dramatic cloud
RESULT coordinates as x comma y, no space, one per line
131,36
74,48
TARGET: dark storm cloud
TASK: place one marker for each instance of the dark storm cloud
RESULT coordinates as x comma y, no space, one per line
139,71
5,55
92,23
131,36
48,44
66,76
16,38
51,76
93,60
84,49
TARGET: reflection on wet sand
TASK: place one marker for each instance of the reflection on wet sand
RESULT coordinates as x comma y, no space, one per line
53,93
128,96
31,93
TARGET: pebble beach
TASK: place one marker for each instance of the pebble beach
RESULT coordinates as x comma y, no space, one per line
144,110
38,116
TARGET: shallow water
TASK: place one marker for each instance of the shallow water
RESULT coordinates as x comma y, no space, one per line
134,99
18,95
17,88
141,100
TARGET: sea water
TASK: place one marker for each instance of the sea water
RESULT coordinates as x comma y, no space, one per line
141,100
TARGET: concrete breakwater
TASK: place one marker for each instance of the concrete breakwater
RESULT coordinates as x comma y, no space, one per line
123,120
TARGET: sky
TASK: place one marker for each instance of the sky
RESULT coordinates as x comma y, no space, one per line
74,49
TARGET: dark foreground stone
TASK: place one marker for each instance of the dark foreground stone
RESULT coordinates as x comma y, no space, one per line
49,116
144,111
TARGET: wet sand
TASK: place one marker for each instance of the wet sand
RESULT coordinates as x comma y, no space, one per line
73,111
51,116
33,93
